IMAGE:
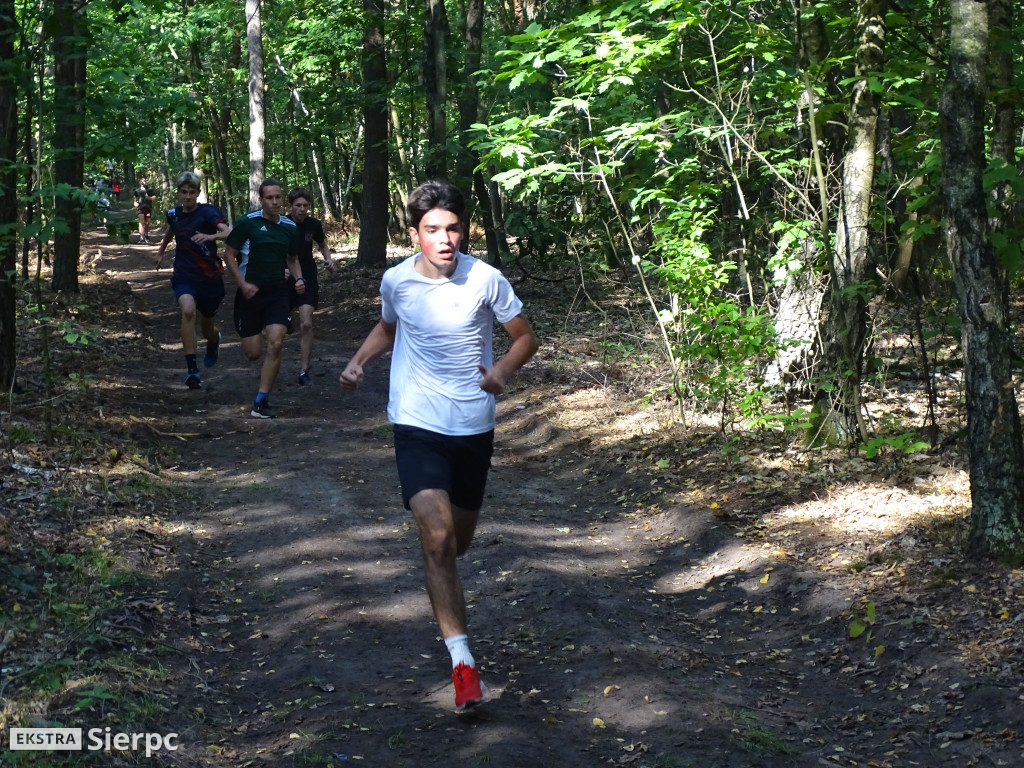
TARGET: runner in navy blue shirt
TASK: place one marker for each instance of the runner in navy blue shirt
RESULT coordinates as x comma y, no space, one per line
197,277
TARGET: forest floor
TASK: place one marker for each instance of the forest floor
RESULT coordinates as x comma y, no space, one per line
641,592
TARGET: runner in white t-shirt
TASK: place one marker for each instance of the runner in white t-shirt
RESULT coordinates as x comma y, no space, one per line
438,311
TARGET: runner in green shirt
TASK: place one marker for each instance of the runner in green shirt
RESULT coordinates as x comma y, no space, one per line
262,301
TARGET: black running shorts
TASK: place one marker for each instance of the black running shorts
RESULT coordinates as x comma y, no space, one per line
268,307
457,464
309,296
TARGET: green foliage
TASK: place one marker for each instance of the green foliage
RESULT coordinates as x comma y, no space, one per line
904,442
69,329
717,342
800,419
94,698
18,434
893,437
594,151
862,624
763,740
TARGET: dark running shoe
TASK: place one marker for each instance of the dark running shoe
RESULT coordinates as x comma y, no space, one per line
305,380
262,410
212,352
192,380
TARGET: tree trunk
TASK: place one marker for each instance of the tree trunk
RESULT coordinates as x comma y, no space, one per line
373,223
220,122
8,193
344,206
324,183
1004,118
798,317
799,308
257,107
435,84
28,181
996,460
469,113
69,56
327,200
846,327
908,242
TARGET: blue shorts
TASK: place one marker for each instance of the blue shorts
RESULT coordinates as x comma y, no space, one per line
268,307
457,464
207,293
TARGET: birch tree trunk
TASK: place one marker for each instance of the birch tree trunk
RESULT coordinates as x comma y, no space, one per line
996,455
839,400
797,318
257,108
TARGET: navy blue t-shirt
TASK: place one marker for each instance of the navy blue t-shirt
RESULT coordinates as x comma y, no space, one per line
191,257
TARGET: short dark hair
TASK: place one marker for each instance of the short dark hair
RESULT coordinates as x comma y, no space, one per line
269,183
298,192
434,194
188,178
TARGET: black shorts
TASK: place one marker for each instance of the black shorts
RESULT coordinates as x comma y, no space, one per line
268,307
310,296
457,464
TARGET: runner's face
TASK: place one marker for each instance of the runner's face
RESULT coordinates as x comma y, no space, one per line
271,201
300,209
438,235
188,197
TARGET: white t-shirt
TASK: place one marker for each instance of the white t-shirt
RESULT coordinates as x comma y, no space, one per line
445,329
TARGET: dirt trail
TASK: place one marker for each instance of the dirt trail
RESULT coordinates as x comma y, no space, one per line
606,635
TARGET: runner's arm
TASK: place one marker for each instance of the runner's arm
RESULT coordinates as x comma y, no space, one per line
296,271
223,230
326,253
168,236
231,262
380,340
524,345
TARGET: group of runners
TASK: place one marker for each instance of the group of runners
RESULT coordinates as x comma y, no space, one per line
438,309
269,255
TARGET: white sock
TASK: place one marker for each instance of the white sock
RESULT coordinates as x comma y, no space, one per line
458,647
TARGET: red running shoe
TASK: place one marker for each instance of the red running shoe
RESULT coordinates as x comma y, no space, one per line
469,691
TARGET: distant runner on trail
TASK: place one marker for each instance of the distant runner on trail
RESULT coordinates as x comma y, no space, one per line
145,197
310,231
438,309
262,301
197,278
